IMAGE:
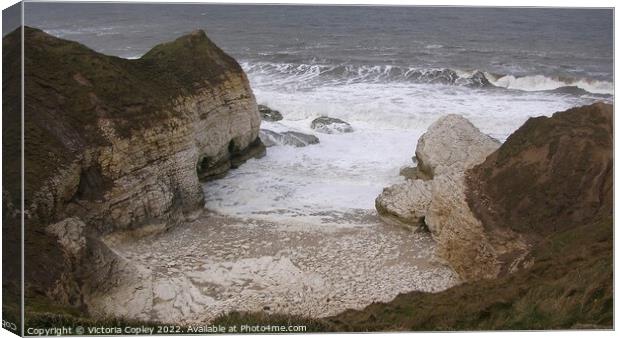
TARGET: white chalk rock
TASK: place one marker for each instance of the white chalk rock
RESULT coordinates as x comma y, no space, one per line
405,204
452,143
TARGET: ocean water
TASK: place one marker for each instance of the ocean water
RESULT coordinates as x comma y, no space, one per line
388,71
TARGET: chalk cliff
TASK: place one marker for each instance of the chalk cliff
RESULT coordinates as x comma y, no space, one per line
120,145
434,198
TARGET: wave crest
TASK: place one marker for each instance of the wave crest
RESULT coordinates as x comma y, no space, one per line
311,75
346,74
543,83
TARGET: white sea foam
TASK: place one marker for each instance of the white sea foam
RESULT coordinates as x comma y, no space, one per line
540,82
299,76
343,174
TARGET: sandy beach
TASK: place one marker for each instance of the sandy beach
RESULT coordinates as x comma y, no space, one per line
219,264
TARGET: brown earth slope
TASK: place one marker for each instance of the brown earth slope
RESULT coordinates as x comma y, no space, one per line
550,175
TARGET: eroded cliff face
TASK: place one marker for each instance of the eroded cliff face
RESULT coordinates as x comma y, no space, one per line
488,205
550,187
434,198
120,145
552,174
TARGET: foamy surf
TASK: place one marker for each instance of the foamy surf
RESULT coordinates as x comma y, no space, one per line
309,75
541,83
334,183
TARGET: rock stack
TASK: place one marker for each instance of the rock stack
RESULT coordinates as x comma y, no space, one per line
435,197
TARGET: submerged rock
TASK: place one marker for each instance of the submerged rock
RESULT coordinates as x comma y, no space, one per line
478,79
288,138
268,114
330,125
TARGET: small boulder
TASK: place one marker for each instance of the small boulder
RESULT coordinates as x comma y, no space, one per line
288,138
300,139
330,125
405,204
268,114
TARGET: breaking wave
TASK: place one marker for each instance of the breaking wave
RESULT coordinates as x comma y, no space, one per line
311,75
542,83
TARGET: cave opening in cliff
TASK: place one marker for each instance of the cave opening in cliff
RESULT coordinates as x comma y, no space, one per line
232,148
202,167
210,168
92,184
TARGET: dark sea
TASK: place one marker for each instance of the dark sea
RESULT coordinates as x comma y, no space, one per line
389,71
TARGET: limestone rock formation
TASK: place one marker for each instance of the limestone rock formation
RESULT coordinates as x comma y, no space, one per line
452,143
330,125
114,145
487,208
405,204
268,114
288,138
434,196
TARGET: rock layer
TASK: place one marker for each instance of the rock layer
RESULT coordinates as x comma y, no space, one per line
114,145
460,236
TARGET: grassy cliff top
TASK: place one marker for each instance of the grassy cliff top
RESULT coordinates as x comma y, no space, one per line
83,85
